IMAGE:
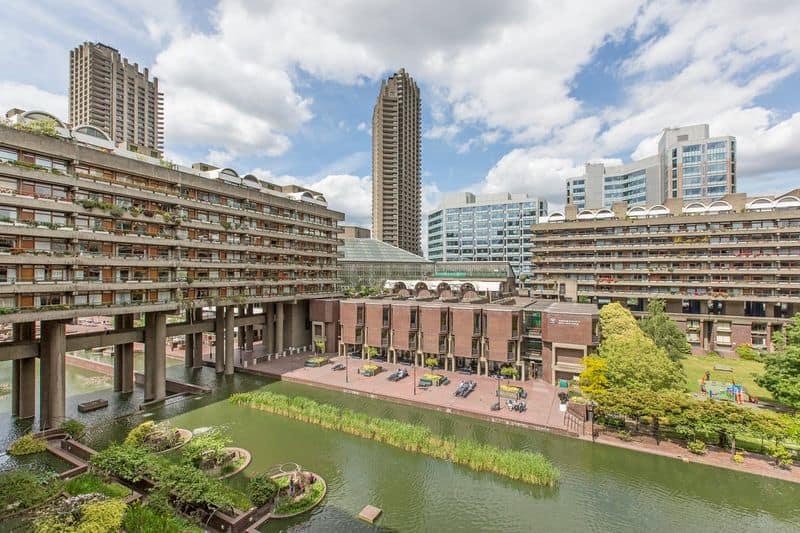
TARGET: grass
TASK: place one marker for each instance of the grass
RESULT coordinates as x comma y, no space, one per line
144,519
743,373
89,483
524,466
22,489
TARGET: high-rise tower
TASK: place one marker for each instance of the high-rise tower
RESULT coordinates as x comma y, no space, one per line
108,92
396,167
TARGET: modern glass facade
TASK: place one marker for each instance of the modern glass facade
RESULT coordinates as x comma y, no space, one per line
485,229
708,170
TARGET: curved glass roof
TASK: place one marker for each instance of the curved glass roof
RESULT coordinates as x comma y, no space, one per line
375,251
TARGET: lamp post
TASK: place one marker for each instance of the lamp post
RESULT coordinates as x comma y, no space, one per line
414,376
346,365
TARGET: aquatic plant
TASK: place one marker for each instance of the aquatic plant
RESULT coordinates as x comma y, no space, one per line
27,444
525,466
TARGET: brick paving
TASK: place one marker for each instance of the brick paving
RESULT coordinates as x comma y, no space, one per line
542,402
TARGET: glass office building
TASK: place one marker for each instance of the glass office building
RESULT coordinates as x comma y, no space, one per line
492,227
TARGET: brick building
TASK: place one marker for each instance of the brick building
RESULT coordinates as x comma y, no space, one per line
540,338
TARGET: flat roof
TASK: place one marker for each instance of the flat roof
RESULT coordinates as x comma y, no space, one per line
520,303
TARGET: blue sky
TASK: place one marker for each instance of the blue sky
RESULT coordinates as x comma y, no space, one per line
517,96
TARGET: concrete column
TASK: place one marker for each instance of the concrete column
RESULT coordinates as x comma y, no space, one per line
230,313
123,358
155,356
279,320
52,386
219,339
269,329
23,376
188,350
241,330
197,344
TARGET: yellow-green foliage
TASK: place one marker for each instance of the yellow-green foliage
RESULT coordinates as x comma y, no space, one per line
525,466
94,517
616,320
594,379
27,444
139,434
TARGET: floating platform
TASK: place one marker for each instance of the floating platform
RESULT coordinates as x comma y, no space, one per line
370,513
94,405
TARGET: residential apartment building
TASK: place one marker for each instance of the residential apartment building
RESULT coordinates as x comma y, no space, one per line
729,269
543,339
396,164
108,92
86,228
488,227
90,229
690,165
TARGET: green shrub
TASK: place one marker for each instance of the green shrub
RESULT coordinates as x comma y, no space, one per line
73,428
697,447
124,461
312,495
22,489
508,371
782,456
90,483
27,444
207,449
747,352
103,516
187,484
147,519
738,458
137,435
262,490
624,435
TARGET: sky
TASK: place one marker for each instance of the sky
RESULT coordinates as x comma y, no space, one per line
517,95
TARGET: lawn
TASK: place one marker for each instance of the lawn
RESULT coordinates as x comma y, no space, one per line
743,373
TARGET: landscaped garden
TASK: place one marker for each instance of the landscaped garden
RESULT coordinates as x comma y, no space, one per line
524,466
638,384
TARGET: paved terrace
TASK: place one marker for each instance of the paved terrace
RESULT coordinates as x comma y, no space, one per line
542,401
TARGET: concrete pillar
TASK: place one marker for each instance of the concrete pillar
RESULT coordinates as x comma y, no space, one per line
52,386
197,344
230,314
155,356
23,376
123,358
219,339
188,350
279,323
240,333
268,335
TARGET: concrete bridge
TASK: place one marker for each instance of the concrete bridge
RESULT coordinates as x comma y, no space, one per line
279,325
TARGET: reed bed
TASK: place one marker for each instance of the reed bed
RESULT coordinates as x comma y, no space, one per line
529,467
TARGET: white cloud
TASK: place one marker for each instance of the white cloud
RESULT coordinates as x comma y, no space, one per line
522,171
28,97
347,193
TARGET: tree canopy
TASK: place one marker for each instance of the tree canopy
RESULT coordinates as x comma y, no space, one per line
633,360
664,331
782,369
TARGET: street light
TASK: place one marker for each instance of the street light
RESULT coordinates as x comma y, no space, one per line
414,376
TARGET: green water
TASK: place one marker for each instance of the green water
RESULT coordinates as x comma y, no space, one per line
602,488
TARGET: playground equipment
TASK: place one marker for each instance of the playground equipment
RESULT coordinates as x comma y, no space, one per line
731,392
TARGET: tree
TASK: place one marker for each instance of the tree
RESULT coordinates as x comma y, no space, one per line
616,320
664,331
782,369
594,378
635,362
